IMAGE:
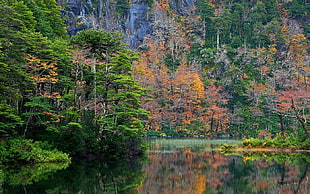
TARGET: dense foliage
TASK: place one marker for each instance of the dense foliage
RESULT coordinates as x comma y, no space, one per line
237,67
22,151
123,176
81,99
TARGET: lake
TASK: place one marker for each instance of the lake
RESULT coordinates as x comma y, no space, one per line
172,165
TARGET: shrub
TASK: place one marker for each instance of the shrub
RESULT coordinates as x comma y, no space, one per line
278,142
153,133
228,147
252,142
284,142
27,151
304,144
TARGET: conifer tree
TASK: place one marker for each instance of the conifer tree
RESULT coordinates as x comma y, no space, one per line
116,96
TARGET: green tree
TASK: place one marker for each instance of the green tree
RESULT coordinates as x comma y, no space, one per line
222,27
206,12
237,13
272,9
116,96
48,18
297,8
30,94
122,6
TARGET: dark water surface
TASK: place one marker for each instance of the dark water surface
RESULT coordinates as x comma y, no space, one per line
171,166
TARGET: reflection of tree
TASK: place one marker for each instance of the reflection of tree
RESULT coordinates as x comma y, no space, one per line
286,181
29,174
123,176
241,173
188,171
278,172
185,172
302,178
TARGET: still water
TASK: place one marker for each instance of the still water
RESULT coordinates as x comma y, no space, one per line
189,166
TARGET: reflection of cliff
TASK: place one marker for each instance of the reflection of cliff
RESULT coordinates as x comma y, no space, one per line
211,172
135,21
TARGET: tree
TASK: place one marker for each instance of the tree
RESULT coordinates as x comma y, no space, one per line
116,97
9,121
185,99
294,103
216,115
48,18
35,71
42,110
206,12
122,6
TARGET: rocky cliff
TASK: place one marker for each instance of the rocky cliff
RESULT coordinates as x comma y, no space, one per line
134,18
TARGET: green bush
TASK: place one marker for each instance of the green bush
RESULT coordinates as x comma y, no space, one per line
284,142
304,144
278,142
268,142
252,142
27,151
228,147
153,133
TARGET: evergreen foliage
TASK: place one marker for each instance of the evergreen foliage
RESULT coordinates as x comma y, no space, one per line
238,67
25,151
122,6
47,95
116,95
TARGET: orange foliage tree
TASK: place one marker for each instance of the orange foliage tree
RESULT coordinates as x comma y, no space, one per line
294,103
217,115
45,101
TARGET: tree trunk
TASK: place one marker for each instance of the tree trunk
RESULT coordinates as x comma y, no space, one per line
212,121
217,41
95,85
299,118
204,30
281,181
281,124
302,177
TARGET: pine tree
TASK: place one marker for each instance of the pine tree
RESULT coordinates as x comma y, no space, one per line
116,97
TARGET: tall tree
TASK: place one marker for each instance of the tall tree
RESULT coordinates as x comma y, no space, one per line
206,12
116,97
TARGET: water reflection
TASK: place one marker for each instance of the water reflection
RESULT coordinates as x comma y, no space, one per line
123,176
27,175
190,166
199,169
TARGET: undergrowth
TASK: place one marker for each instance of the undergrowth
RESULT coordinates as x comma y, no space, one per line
27,151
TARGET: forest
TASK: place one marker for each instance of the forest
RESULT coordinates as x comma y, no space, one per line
230,67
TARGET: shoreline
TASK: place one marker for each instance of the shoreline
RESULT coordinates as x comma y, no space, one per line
267,149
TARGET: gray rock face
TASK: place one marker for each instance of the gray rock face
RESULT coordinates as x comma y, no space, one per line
77,11
138,23
184,7
101,15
